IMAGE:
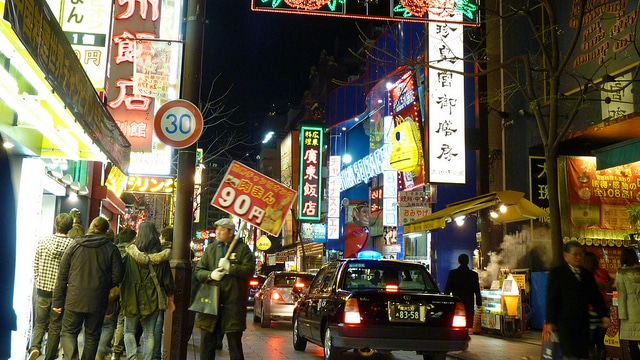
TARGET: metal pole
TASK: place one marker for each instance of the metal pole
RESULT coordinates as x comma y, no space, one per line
177,324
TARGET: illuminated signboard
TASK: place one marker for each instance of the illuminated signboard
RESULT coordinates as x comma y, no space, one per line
446,105
460,11
406,154
146,184
87,28
133,112
333,197
310,195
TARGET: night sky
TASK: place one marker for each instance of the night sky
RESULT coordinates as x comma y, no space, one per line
267,56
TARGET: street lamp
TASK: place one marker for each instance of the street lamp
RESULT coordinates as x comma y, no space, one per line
268,137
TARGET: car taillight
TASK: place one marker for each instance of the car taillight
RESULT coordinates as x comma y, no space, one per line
276,296
299,285
351,312
391,288
459,316
253,283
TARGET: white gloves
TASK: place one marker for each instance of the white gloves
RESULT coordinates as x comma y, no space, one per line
225,264
217,274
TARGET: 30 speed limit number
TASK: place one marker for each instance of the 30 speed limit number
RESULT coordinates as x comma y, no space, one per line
178,123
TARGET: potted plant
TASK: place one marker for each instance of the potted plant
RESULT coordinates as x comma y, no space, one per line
634,222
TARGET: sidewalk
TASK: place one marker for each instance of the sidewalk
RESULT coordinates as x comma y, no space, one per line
496,347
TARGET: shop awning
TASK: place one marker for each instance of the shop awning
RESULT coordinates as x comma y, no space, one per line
517,208
618,154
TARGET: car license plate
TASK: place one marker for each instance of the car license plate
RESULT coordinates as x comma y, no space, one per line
406,312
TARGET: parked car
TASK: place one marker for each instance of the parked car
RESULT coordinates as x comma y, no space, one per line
276,298
383,305
255,282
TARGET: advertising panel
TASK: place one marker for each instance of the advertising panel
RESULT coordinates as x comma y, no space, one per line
87,25
255,198
599,198
407,155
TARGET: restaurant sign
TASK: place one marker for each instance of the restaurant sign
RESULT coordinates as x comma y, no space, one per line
310,197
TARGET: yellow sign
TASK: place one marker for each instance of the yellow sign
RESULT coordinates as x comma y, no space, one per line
263,243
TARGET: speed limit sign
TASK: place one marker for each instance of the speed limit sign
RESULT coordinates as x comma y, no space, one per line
178,123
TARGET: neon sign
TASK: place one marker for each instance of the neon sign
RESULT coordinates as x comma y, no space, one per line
310,194
450,11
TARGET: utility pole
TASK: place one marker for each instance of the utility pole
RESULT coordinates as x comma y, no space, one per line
176,326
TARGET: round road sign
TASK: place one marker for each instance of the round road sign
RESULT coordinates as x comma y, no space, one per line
178,123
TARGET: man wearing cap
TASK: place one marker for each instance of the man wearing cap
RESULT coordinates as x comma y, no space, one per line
231,274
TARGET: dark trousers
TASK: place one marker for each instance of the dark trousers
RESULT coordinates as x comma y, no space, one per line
46,321
72,325
208,342
634,351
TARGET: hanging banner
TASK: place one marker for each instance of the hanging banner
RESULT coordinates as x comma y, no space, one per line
156,68
255,198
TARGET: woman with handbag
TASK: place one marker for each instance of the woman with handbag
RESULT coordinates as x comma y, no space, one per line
146,290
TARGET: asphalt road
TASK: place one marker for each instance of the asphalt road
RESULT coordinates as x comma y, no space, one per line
276,343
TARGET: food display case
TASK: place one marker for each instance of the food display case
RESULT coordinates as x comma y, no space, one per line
491,314
502,307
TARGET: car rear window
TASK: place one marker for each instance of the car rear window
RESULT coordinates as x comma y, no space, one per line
376,275
289,280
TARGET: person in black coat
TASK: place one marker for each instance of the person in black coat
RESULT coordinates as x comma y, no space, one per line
570,291
464,283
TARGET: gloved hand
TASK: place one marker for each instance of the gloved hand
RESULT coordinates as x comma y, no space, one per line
217,274
224,263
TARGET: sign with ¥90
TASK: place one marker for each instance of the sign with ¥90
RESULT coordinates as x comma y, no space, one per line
178,123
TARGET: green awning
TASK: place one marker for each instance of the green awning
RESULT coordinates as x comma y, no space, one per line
617,154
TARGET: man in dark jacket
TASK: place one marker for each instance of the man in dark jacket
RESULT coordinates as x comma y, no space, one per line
570,291
232,276
89,268
463,283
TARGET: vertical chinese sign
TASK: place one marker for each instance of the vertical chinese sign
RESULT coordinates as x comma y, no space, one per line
132,112
333,197
446,104
310,194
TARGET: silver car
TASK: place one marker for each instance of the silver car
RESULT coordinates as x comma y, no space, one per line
276,298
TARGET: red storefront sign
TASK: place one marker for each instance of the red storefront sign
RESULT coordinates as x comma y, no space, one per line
132,112
255,198
599,198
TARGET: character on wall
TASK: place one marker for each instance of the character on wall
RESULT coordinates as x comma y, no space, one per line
356,233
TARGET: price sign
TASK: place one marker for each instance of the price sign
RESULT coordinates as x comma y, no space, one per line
178,123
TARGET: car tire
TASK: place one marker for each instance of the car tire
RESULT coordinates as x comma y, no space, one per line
436,356
265,322
256,318
330,351
299,343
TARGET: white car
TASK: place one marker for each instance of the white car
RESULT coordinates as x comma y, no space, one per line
275,300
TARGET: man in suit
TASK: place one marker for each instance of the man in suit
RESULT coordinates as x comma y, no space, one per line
570,291
463,283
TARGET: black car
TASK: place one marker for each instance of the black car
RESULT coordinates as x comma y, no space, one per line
382,305
255,283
